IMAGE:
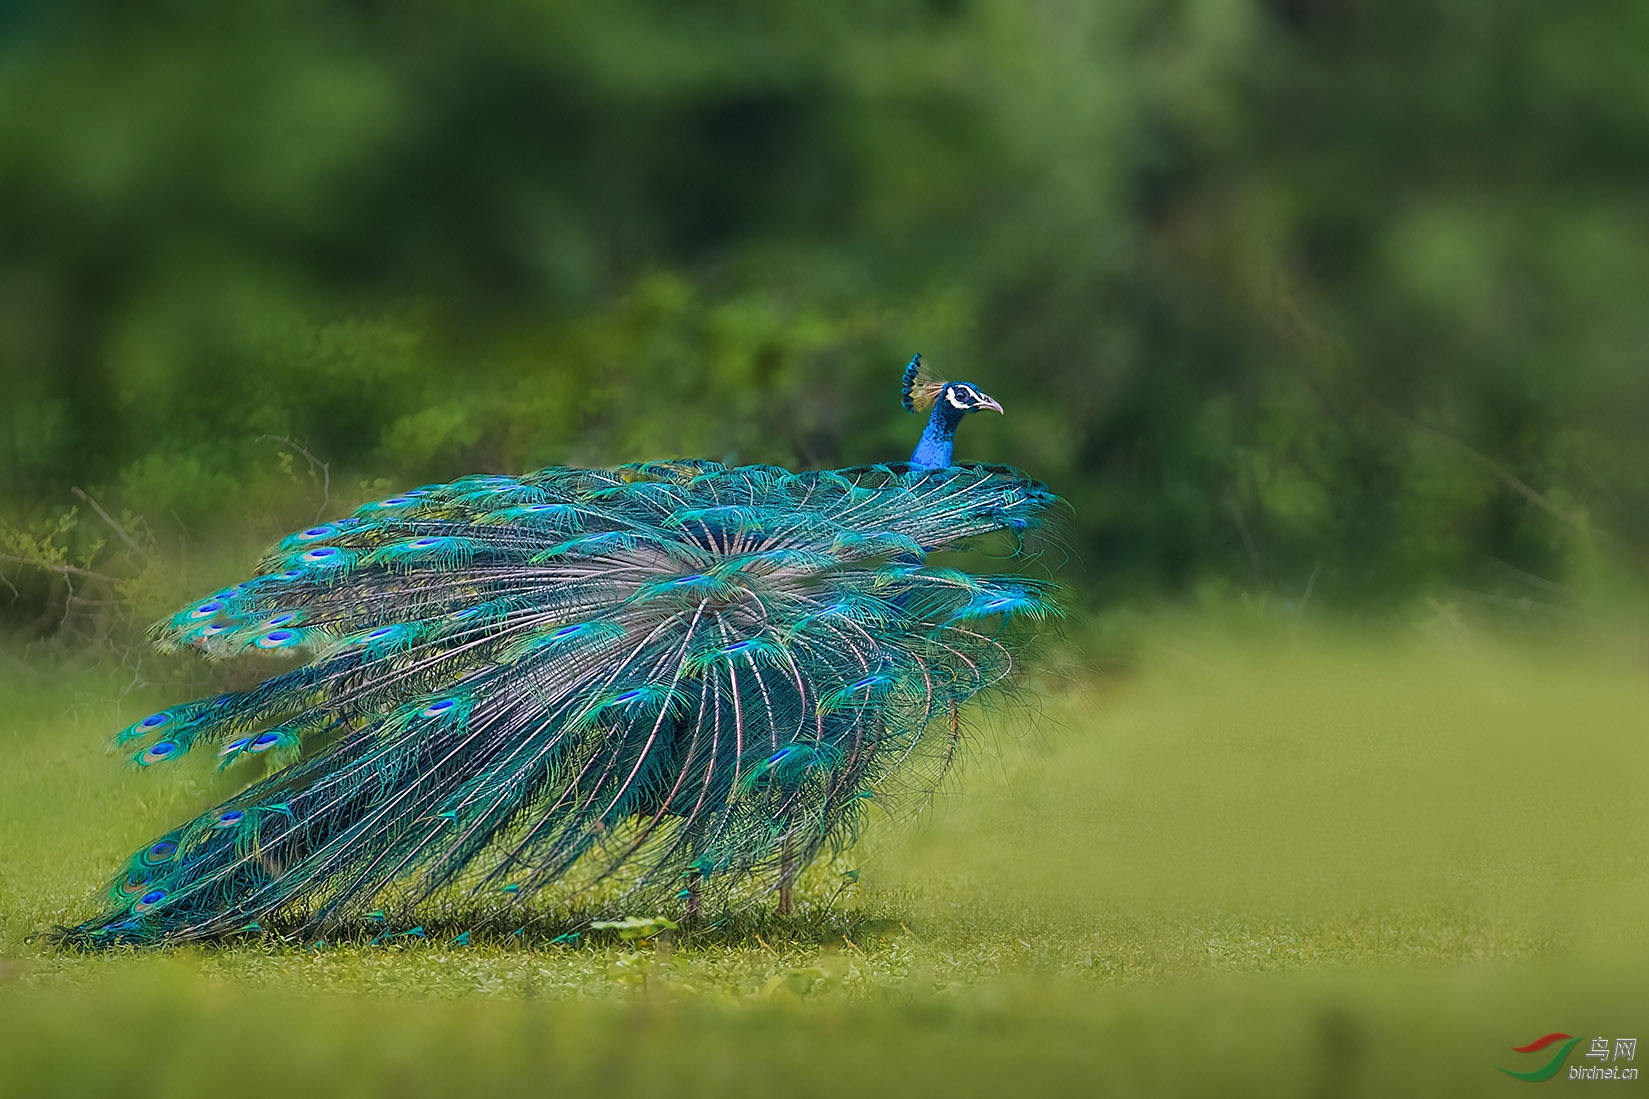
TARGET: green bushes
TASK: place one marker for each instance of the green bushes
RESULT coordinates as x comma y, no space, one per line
1283,297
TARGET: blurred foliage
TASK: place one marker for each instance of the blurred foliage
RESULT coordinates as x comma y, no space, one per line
1312,299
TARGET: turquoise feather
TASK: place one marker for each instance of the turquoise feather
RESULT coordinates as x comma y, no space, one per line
665,669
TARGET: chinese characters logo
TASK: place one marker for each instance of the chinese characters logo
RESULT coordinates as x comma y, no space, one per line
1601,1050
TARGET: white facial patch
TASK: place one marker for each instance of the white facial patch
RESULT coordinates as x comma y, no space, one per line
950,395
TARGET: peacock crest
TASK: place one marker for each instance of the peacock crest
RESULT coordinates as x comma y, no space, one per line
921,386
675,673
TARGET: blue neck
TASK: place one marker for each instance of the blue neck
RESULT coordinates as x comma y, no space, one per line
933,450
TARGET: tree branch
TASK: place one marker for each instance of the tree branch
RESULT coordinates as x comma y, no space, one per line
314,463
61,570
107,518
1501,473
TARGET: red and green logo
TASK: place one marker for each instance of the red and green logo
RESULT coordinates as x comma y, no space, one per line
1550,1068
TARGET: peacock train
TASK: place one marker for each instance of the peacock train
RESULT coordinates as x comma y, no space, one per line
676,675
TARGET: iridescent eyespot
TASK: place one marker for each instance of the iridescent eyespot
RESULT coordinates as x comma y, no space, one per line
212,629
274,639
425,543
628,695
397,501
315,532
229,819
234,746
380,633
155,721
160,851
137,883
264,742
282,620
151,898
320,553
436,709
157,752
206,609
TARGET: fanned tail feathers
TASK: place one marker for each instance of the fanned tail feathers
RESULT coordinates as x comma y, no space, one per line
668,670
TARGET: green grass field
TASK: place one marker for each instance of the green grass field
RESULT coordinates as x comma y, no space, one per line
1310,865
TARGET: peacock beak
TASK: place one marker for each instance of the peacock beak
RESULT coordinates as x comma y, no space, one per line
987,402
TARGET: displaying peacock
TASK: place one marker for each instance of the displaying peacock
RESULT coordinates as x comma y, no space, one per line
670,675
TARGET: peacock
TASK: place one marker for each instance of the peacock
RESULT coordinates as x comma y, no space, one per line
671,675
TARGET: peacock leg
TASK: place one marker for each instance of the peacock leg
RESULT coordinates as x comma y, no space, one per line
695,901
787,877
955,737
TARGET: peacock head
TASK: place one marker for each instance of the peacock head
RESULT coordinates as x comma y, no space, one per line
962,398
949,400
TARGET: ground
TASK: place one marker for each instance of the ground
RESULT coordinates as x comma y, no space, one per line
1296,863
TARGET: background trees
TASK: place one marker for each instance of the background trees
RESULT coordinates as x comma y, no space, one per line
1283,295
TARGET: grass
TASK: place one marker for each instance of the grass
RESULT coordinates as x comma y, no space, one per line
1320,865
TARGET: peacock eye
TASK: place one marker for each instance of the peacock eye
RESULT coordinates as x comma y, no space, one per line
159,751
